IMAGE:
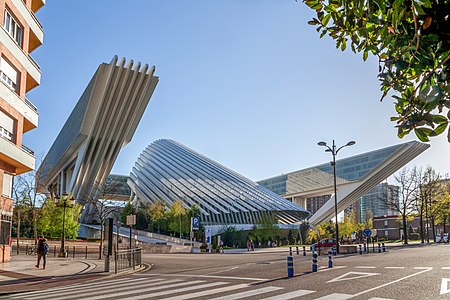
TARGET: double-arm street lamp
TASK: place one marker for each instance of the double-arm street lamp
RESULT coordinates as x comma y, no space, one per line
334,152
65,201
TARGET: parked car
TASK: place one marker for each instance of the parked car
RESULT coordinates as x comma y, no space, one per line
445,238
325,243
442,238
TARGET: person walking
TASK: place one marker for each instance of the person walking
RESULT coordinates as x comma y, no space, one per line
42,250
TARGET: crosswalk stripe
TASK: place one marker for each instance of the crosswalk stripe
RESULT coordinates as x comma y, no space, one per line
86,296
335,296
290,295
163,293
202,293
90,290
376,298
249,293
91,285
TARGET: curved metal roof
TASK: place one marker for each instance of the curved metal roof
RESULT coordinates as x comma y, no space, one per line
169,171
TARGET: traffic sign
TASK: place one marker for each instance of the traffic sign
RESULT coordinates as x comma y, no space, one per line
373,233
367,232
208,235
195,223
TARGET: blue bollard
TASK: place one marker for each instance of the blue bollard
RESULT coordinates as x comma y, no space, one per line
365,248
290,266
383,247
330,261
334,250
297,250
304,251
379,248
360,250
290,251
314,262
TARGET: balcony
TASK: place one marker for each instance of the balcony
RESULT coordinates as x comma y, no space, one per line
16,156
24,107
30,18
36,5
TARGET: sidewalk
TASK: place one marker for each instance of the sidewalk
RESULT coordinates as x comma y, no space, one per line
20,274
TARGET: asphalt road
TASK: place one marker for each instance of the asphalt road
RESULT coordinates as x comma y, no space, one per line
421,272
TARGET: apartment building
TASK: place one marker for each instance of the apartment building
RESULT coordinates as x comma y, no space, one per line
20,35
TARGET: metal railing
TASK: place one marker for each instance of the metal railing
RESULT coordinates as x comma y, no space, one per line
127,259
30,104
27,150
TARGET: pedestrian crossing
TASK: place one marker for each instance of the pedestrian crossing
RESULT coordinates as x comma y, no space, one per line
173,288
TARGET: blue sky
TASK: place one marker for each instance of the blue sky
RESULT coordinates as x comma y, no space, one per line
246,83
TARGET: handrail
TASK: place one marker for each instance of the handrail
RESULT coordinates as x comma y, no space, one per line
28,150
30,105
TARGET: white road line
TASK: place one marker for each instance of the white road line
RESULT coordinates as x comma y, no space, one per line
290,295
380,299
223,270
395,281
249,293
445,268
114,293
192,295
335,296
335,267
211,276
89,285
394,268
422,268
365,267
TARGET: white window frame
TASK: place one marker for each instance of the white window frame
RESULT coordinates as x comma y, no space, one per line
7,185
14,29
6,71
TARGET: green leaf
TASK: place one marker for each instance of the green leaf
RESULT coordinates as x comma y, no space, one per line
423,133
326,19
365,54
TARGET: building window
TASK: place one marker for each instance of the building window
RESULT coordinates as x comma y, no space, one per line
386,233
7,185
386,222
8,74
6,126
13,28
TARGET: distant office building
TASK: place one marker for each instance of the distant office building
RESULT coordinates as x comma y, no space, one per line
101,124
20,35
373,204
313,188
168,171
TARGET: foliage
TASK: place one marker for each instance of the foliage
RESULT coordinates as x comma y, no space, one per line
50,222
230,236
411,40
324,230
349,225
157,213
267,230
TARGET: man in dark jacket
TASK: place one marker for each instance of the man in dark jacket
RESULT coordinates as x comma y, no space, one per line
42,249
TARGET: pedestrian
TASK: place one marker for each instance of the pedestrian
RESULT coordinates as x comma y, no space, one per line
252,245
221,246
249,243
42,250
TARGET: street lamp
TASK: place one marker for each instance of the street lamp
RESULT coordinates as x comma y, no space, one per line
334,152
65,201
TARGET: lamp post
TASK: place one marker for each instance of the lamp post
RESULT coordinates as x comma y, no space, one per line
334,152
65,201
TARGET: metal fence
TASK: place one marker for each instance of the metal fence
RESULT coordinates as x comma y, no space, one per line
127,259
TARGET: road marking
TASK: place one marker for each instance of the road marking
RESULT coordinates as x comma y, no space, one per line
365,267
223,270
6,278
394,268
445,268
422,268
193,295
335,267
395,281
335,296
380,299
95,285
249,293
290,295
349,276
444,286
209,276
85,296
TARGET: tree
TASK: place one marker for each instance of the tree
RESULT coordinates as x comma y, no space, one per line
230,235
404,200
411,40
177,212
428,188
349,225
51,219
267,229
442,207
157,212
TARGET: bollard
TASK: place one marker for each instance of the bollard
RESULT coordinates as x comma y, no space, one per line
290,266
383,247
360,250
297,250
365,248
290,250
73,252
54,251
379,248
314,262
85,253
26,249
334,250
304,251
330,261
